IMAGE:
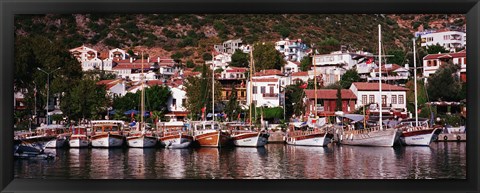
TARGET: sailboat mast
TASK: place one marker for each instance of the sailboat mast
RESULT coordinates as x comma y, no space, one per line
213,87
315,87
251,87
415,81
380,71
143,95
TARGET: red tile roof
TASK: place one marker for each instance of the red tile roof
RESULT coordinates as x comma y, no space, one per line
330,94
109,83
234,69
153,82
385,69
300,74
132,66
366,86
460,54
265,80
269,72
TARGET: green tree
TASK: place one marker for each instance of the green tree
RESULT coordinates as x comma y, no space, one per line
421,95
294,100
444,85
328,45
199,92
156,98
232,109
190,64
399,57
267,57
207,56
338,106
239,59
305,63
435,49
348,78
177,57
85,100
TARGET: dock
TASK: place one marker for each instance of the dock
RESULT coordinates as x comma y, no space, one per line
443,137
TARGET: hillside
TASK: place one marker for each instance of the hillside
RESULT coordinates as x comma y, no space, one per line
192,35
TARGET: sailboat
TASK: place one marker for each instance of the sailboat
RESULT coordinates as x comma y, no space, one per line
243,135
413,131
174,134
377,135
210,134
310,137
140,137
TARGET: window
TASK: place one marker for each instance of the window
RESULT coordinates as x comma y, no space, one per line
254,90
184,101
434,63
429,63
262,89
271,90
174,102
372,99
384,100
364,99
394,99
400,99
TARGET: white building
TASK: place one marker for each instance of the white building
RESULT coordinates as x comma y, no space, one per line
229,46
390,72
177,100
115,88
432,62
132,69
117,54
265,92
292,50
446,38
332,66
393,97
291,67
299,77
220,61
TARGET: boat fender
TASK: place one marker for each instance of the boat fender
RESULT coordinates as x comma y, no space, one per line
351,136
445,138
459,137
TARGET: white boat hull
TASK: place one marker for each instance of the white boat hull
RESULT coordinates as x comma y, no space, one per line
179,142
455,130
384,138
310,140
419,137
250,140
78,142
141,141
55,143
107,141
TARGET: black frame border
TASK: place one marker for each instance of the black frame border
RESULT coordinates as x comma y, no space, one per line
8,8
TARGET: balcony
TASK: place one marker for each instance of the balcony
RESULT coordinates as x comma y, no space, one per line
271,95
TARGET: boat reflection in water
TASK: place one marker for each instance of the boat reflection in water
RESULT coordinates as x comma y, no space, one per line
104,163
79,160
206,161
247,163
140,163
171,163
314,161
362,162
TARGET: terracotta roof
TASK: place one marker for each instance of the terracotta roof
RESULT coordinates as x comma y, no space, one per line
366,86
385,69
300,74
132,66
190,73
153,82
460,54
269,72
265,80
233,69
330,94
109,83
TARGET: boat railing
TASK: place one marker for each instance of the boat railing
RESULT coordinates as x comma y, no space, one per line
308,132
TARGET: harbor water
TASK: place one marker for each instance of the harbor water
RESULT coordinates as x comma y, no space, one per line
440,160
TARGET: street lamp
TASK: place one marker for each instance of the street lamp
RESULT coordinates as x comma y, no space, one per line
48,88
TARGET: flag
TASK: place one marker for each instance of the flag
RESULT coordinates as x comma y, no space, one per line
132,115
238,116
151,114
303,86
369,61
203,112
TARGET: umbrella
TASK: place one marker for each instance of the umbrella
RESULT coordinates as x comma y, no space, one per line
129,112
112,112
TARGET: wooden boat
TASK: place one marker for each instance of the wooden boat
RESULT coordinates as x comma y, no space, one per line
422,134
374,136
209,134
59,132
310,137
174,135
141,137
107,133
244,136
79,137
